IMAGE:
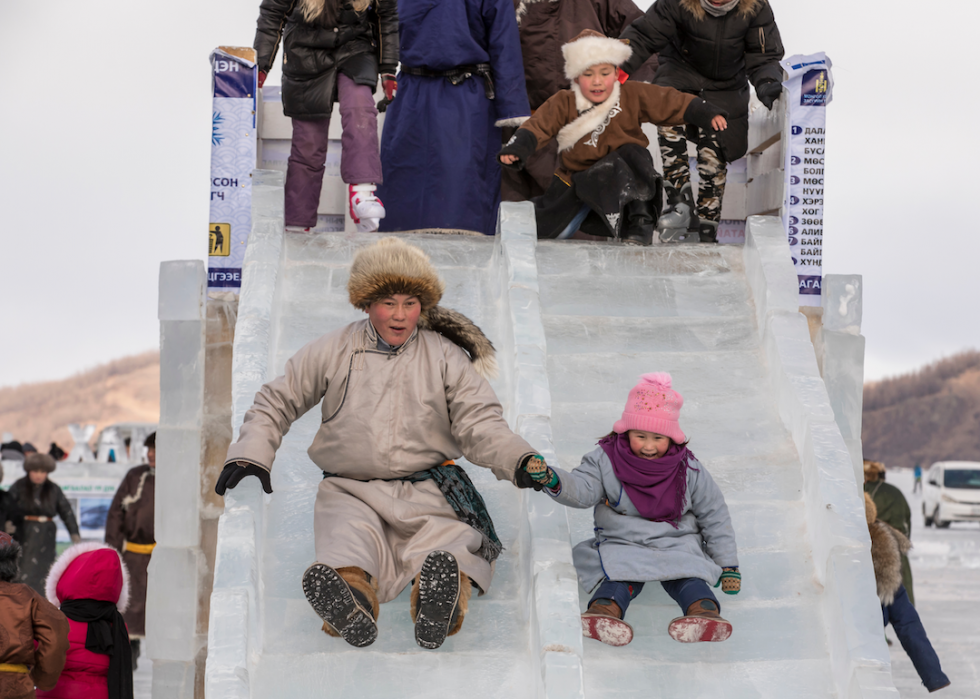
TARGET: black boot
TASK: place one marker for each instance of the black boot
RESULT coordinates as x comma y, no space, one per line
134,646
639,223
436,599
708,231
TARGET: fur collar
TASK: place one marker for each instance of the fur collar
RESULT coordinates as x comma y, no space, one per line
66,559
887,546
590,117
746,8
463,332
312,9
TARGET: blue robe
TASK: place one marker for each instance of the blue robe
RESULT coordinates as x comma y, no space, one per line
439,145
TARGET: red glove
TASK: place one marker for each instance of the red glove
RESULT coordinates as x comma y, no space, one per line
390,85
262,77
621,75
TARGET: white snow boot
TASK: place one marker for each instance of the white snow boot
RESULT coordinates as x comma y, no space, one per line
366,210
679,222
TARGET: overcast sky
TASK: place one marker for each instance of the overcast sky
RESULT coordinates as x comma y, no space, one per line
106,121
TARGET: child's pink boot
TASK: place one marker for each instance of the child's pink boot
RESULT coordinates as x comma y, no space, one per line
366,209
702,622
603,622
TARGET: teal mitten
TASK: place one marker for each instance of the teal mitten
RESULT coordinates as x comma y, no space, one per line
730,580
539,471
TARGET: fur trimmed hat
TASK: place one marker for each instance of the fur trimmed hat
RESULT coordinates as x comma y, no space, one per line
89,570
592,48
873,470
40,462
653,406
392,266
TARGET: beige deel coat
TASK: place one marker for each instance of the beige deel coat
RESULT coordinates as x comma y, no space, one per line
385,415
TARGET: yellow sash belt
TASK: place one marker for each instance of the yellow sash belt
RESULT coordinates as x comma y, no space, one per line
145,549
7,667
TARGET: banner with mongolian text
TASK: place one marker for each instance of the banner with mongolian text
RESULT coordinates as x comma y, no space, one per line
233,151
809,89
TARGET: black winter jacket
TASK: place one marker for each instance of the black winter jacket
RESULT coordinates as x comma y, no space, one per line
358,44
713,57
45,500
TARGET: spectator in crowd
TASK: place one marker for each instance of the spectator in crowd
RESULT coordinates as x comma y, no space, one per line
893,509
461,80
888,547
129,530
544,28
710,48
333,50
6,508
400,401
606,183
917,485
56,452
33,633
29,449
12,451
90,584
36,500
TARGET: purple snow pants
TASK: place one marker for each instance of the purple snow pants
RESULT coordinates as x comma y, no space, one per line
359,159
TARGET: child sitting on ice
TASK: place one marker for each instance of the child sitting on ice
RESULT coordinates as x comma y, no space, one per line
605,163
658,517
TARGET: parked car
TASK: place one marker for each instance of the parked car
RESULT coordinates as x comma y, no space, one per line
952,493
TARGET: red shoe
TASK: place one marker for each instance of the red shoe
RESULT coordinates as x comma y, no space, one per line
702,623
602,623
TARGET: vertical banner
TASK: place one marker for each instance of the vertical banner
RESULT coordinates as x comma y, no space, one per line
809,89
233,152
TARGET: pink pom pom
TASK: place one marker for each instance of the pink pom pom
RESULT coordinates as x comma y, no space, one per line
660,379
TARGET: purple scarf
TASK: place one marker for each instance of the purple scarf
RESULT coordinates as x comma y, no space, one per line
656,486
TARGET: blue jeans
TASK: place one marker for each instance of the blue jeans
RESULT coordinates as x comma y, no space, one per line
905,620
685,591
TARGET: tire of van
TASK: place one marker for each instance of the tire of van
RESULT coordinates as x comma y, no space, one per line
927,520
941,523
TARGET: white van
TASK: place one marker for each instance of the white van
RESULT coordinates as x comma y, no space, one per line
951,493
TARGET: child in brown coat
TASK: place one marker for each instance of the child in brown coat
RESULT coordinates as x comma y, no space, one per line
33,633
605,164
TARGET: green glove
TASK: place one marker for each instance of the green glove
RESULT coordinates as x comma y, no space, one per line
730,581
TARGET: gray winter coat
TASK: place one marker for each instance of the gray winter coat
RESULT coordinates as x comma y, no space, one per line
630,548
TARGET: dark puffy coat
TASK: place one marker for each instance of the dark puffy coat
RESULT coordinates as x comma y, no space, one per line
359,44
713,57
38,539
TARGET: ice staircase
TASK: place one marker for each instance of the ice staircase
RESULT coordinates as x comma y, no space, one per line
575,324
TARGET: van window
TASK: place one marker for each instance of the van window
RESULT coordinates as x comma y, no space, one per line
962,478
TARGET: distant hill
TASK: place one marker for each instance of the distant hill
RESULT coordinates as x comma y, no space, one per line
930,415
124,390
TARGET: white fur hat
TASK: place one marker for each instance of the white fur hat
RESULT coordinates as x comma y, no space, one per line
591,48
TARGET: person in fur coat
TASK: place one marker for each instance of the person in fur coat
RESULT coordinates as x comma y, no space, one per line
888,545
35,500
90,583
713,49
33,633
606,170
129,530
333,51
404,393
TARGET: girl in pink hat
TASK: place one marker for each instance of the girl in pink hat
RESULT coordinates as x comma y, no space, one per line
659,516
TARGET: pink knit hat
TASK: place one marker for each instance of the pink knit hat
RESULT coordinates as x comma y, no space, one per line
653,406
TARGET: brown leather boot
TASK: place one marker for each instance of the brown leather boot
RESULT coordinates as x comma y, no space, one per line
604,622
701,622
347,601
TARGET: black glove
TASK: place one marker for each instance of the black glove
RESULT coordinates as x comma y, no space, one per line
533,472
522,145
234,472
768,93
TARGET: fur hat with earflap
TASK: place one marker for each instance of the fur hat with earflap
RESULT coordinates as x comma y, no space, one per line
653,406
392,266
591,48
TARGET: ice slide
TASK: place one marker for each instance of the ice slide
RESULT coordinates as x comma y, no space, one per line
575,324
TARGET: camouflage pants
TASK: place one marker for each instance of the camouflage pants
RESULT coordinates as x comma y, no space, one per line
711,167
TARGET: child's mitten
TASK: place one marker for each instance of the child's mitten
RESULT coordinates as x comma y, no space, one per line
534,473
730,580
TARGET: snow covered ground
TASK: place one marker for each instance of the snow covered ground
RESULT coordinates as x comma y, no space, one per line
946,581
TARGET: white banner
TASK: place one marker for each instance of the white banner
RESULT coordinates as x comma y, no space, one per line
233,152
809,89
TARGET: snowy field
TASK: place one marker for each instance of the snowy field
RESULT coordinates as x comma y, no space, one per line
946,581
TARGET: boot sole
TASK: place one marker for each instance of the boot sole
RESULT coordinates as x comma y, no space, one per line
607,629
438,599
698,629
332,599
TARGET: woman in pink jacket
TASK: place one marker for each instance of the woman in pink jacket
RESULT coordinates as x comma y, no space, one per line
91,585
